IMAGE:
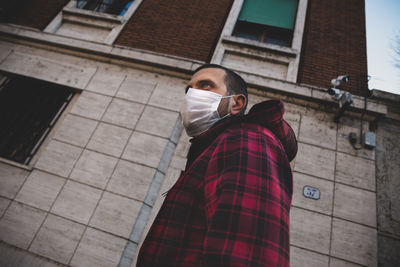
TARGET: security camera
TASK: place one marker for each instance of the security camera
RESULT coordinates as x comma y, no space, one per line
344,102
346,99
335,93
341,78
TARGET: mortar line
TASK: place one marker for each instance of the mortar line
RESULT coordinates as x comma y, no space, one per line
324,254
333,196
16,194
62,188
103,190
333,181
145,210
21,250
127,246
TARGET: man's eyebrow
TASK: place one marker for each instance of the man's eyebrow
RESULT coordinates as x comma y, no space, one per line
200,84
205,81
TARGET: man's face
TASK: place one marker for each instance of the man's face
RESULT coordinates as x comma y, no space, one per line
213,80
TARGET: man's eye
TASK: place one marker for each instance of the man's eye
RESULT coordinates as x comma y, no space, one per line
205,85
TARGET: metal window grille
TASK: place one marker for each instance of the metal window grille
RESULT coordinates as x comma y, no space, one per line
29,109
116,7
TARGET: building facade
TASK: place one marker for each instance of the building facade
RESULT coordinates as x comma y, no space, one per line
91,135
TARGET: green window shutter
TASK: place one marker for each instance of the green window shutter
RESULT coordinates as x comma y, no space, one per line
277,13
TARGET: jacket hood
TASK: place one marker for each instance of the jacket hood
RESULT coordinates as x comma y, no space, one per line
268,114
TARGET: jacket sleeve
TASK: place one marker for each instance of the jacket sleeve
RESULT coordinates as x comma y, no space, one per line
247,202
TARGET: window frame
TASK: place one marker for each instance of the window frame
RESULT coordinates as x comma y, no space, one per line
228,41
280,36
98,4
263,33
32,148
113,23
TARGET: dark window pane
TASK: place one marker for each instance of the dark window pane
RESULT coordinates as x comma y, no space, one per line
115,7
247,35
248,30
263,33
28,109
270,40
126,8
277,36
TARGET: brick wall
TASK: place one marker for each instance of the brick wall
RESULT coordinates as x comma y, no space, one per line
182,28
334,43
34,13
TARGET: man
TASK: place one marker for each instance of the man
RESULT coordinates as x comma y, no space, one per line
231,205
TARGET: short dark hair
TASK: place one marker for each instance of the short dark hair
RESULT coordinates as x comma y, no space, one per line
234,83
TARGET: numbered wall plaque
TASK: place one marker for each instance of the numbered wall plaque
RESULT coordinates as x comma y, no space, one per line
311,192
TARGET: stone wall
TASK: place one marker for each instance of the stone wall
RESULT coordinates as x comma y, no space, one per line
388,186
342,223
87,196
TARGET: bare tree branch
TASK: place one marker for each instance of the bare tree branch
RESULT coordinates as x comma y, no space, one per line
396,50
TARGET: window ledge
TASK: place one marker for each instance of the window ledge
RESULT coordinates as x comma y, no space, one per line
16,164
93,18
276,49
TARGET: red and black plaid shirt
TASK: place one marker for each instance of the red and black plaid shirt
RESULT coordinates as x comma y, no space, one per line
231,205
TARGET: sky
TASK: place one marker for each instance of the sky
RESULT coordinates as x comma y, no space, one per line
383,22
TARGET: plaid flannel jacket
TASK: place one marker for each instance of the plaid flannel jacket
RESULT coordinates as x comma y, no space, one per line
231,205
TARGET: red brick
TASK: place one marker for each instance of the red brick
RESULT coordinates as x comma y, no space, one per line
188,29
35,13
334,43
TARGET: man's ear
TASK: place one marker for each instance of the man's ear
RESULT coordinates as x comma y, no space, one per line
239,102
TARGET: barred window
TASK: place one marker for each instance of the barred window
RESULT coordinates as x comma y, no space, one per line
29,108
115,7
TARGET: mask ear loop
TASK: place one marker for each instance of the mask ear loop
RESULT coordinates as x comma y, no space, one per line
229,106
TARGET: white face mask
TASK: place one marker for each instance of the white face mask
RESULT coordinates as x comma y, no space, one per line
200,110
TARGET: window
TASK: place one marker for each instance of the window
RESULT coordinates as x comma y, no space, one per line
115,7
267,21
29,108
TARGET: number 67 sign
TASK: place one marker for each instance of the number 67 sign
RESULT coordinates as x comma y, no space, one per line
311,192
